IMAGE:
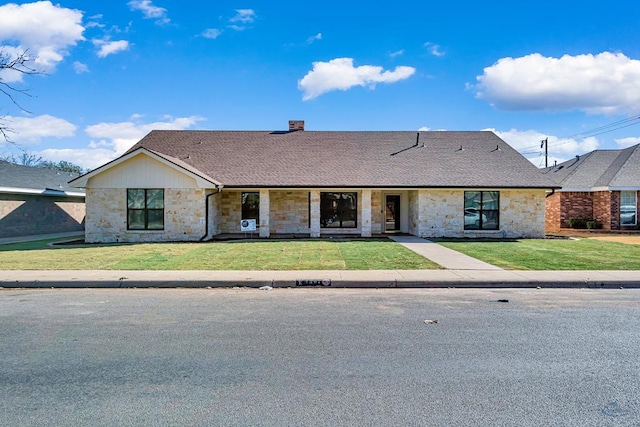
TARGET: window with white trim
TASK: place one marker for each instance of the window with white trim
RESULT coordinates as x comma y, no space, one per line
628,208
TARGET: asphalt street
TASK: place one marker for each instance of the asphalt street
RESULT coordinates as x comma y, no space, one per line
384,357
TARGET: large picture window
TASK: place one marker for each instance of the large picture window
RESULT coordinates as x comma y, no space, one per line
339,210
145,209
481,210
628,208
251,206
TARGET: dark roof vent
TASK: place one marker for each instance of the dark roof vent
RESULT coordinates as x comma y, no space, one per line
296,125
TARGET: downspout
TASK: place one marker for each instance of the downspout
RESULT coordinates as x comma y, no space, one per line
206,212
553,191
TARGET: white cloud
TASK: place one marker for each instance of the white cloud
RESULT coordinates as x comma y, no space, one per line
604,83
80,68
150,11
33,129
340,74
211,33
397,53
627,142
434,49
110,140
242,17
314,38
44,30
245,16
87,158
123,135
423,129
110,47
529,142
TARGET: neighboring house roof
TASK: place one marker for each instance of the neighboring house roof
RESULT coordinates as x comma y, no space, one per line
253,159
33,180
598,170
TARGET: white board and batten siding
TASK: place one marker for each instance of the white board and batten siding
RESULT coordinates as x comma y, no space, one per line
142,172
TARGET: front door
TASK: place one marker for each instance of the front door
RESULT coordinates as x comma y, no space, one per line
392,214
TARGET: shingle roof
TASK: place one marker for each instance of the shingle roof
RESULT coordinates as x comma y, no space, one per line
349,159
26,177
599,168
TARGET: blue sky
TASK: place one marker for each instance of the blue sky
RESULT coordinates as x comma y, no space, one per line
116,70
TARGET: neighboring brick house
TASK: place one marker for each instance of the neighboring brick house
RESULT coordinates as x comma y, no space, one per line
193,185
38,201
601,185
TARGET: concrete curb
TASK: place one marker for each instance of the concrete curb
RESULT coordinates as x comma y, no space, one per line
284,283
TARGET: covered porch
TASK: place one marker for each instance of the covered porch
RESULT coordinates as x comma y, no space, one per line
310,212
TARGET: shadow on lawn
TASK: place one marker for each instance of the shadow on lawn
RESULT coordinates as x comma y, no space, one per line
80,243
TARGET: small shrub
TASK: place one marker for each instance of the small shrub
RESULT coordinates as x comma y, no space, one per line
577,223
593,224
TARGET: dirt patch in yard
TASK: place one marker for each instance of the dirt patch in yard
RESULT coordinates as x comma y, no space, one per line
629,240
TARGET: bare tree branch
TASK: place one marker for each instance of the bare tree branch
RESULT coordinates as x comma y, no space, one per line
19,63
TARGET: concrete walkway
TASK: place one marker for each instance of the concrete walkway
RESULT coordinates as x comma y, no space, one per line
445,257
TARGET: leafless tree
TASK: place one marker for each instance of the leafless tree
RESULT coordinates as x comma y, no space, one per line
19,63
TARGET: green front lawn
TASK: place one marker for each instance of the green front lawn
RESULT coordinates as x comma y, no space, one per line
349,254
551,254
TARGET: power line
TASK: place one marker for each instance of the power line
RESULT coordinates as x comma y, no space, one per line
609,127
620,124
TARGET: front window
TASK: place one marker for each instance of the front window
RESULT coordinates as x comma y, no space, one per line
251,206
145,209
628,207
481,210
339,210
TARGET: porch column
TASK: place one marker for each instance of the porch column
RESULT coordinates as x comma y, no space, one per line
423,214
314,213
366,213
264,213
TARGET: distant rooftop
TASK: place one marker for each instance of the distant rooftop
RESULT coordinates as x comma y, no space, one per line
32,178
599,168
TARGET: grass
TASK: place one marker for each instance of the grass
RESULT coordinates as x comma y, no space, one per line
336,254
551,254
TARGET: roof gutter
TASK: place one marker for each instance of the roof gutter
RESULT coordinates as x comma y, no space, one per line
206,212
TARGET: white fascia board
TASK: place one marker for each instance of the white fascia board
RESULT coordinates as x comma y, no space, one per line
627,188
576,190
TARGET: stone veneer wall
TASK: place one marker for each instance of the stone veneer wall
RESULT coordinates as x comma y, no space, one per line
414,213
441,214
377,213
230,211
289,212
106,218
23,215
522,213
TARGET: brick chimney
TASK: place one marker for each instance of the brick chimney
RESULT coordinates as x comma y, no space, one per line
295,125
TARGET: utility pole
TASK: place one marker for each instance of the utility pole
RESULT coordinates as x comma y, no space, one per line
545,143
